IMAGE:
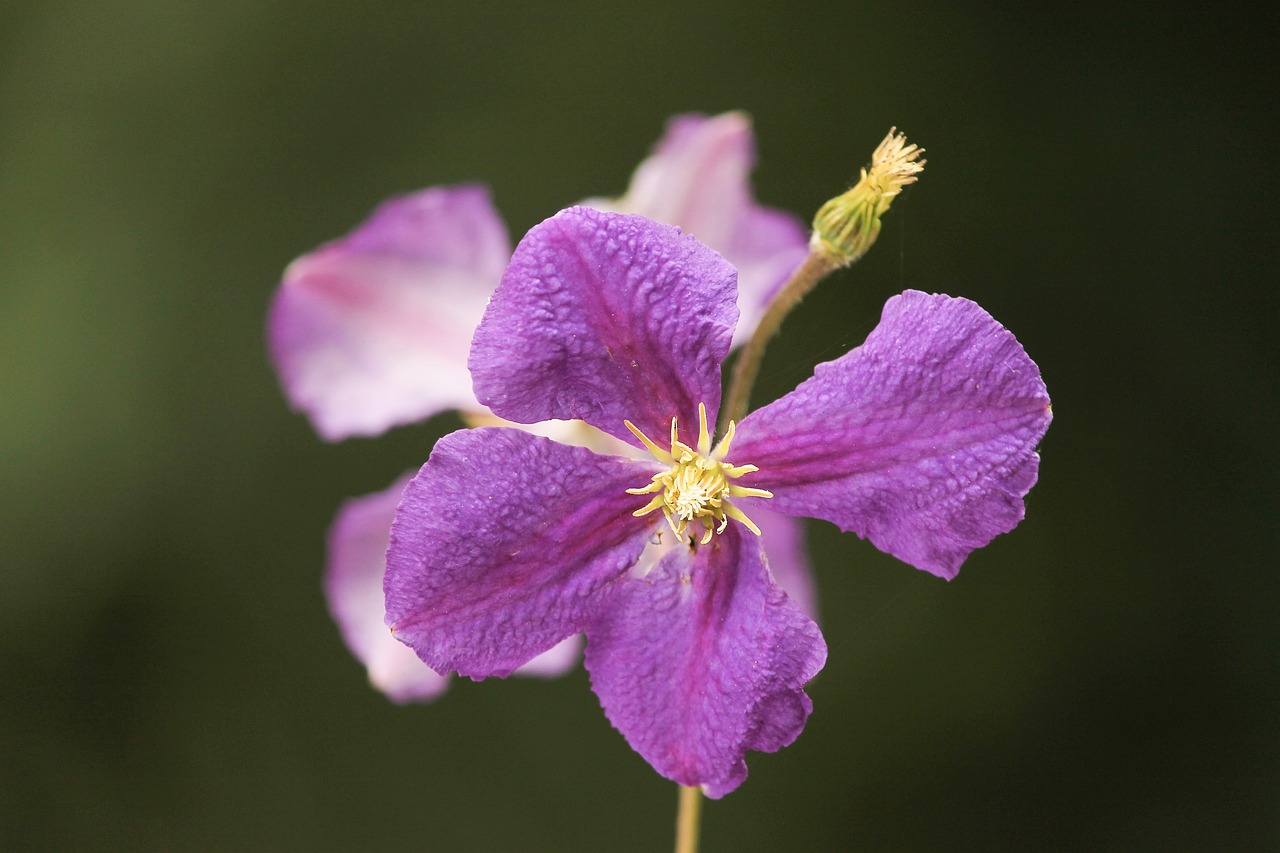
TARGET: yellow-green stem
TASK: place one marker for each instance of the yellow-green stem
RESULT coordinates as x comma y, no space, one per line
688,819
747,367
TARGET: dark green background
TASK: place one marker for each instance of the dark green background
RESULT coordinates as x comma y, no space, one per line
1102,180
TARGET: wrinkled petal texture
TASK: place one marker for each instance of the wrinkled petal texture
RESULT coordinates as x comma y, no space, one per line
702,659
922,439
357,549
502,545
604,317
698,178
373,330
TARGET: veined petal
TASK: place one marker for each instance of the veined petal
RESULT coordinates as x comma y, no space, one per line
503,544
357,547
702,659
604,317
698,178
922,439
373,330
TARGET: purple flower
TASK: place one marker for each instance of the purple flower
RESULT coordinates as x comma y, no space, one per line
373,330
921,440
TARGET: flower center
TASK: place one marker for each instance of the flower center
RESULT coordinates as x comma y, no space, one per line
696,487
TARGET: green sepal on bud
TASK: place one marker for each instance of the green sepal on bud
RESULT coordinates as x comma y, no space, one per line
847,226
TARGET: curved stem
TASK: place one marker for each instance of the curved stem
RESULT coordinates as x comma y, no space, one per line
747,367
688,819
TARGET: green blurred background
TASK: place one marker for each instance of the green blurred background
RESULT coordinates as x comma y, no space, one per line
1101,178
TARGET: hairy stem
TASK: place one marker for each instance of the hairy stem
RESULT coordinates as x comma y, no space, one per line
747,367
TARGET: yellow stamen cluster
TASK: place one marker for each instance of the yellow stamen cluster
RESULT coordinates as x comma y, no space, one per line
696,487
847,226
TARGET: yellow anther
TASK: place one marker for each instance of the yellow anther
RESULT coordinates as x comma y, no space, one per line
722,449
704,435
696,486
657,451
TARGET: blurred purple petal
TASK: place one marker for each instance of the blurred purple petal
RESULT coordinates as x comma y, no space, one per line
452,226
605,317
766,248
555,661
353,589
698,178
788,557
702,659
372,330
502,545
921,440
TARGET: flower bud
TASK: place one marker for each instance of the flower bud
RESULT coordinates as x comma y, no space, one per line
847,226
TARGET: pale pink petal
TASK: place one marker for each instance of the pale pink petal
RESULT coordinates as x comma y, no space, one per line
373,330
353,590
557,660
787,556
699,178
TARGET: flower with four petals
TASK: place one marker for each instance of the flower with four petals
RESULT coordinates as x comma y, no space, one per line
921,440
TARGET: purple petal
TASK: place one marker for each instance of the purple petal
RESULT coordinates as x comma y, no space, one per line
703,659
698,178
788,557
767,247
605,317
454,226
353,590
503,544
373,330
921,440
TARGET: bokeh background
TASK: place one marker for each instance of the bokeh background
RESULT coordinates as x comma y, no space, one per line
1101,178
